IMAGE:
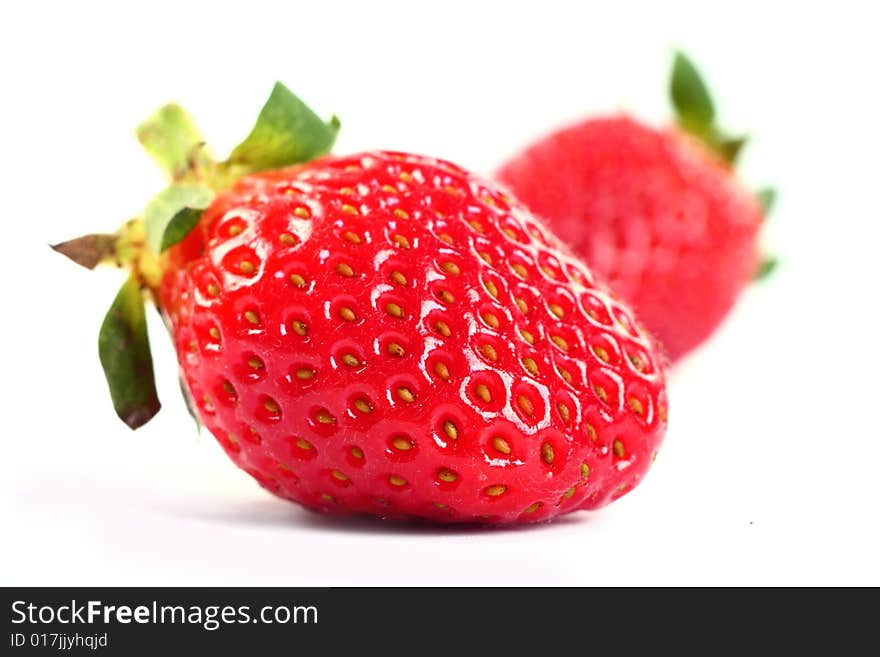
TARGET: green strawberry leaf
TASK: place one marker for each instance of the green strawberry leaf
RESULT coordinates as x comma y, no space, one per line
768,266
690,97
89,250
286,132
179,227
729,147
695,110
171,138
767,199
124,350
174,212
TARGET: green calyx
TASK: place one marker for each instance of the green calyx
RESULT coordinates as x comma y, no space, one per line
767,199
174,212
766,267
695,110
124,349
286,132
171,138
695,114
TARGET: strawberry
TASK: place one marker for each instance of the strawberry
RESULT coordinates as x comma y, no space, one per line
382,333
658,214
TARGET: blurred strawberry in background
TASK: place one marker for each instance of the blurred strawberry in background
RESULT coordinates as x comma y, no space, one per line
659,213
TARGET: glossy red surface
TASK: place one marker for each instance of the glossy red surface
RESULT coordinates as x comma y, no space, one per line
388,334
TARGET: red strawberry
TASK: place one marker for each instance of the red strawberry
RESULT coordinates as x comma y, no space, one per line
388,334
659,214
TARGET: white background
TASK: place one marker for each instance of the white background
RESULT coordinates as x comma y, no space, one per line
769,470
